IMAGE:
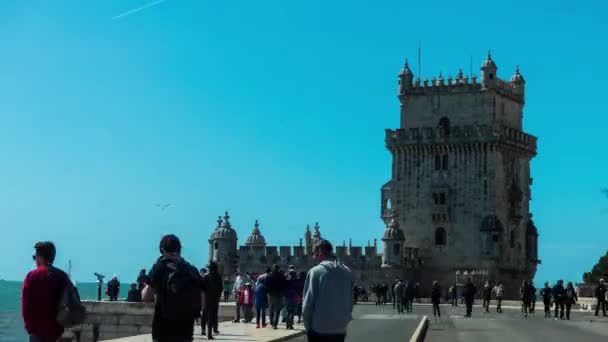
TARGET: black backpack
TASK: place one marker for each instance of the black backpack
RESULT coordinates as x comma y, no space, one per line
70,311
181,298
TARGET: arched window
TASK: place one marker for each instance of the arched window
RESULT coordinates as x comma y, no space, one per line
440,237
445,162
512,239
444,125
437,162
215,245
396,248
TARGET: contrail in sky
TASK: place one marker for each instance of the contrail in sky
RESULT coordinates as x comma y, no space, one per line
141,8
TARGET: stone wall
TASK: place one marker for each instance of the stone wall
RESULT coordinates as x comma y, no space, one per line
109,320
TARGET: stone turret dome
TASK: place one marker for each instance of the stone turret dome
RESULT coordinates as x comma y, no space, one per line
316,235
256,238
224,229
393,232
517,78
488,63
406,71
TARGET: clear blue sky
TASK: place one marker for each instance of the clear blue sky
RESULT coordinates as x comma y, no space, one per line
273,110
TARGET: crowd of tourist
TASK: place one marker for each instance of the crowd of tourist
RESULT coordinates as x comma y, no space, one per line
322,298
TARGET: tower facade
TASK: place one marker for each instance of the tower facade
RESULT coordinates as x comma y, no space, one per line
461,177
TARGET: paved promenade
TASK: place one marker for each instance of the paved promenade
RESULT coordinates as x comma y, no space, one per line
232,332
378,323
512,326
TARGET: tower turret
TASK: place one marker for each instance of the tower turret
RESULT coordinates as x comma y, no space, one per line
489,73
406,79
316,236
308,240
256,239
393,243
222,246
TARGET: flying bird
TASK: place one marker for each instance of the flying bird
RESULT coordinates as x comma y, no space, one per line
140,8
163,206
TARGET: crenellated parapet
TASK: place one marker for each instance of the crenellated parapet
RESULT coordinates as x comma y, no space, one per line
468,134
461,83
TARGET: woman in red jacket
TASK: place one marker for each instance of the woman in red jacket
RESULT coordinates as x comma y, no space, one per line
246,302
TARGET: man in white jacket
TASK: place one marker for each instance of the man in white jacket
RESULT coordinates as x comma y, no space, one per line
327,305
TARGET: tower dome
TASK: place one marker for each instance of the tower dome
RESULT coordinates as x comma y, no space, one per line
393,232
256,238
517,78
489,62
224,229
406,71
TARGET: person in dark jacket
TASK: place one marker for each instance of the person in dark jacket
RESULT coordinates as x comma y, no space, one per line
600,294
292,298
172,322
469,296
570,298
300,283
410,293
142,280
275,282
41,294
487,296
526,297
558,293
436,299
532,296
134,296
546,293
213,288
113,289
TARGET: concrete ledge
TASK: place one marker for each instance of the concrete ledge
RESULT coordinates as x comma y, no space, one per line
420,332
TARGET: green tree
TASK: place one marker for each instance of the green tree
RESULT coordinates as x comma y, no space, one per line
600,270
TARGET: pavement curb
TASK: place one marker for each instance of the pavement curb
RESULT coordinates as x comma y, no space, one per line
288,337
420,332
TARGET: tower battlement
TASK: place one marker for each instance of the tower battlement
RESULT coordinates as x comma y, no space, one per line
466,134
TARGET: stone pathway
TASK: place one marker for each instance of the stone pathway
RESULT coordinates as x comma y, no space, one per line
230,332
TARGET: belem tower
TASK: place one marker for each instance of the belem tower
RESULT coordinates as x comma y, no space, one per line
457,203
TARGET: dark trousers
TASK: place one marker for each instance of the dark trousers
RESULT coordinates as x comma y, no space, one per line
314,337
212,318
499,305
469,304
568,307
276,304
38,339
486,304
601,304
560,306
547,304
260,313
237,317
454,301
436,311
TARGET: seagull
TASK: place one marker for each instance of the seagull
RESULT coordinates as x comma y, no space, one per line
163,206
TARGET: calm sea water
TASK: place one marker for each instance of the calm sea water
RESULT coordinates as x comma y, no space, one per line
11,324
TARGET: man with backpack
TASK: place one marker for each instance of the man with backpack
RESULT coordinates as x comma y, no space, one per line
177,286
49,301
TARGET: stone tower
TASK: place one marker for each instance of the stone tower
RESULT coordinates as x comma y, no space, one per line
223,246
461,177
